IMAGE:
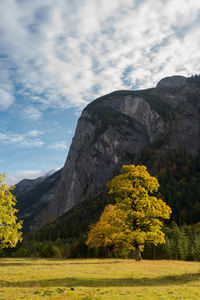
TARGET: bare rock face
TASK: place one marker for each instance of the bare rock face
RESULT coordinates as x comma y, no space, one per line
109,133
112,131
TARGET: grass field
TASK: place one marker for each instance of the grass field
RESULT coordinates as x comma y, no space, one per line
98,279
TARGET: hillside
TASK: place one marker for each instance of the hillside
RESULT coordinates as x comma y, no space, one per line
33,196
178,176
157,127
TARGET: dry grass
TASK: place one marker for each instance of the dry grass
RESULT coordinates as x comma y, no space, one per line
98,279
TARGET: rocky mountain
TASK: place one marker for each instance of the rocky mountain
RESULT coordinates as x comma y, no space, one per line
33,196
114,130
25,185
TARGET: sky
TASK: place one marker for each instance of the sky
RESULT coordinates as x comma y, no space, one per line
57,56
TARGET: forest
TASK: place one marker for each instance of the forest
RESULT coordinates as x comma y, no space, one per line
178,175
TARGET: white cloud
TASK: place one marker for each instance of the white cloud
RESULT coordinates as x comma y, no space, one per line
58,145
27,140
69,131
6,99
34,133
32,143
16,177
31,113
66,55
6,87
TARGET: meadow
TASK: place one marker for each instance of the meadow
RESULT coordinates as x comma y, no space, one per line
98,279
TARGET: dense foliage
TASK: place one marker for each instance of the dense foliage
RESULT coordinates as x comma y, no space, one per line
178,174
110,231
182,243
10,232
137,215
179,180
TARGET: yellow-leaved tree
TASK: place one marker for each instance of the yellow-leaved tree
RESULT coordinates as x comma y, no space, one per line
109,231
10,228
140,211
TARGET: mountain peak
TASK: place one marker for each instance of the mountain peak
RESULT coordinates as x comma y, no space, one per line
123,127
175,81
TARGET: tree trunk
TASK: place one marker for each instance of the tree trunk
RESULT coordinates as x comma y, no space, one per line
138,253
110,250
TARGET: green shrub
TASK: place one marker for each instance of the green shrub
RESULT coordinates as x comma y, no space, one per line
22,252
56,252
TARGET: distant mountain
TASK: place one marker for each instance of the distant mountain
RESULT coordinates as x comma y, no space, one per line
34,195
25,185
123,127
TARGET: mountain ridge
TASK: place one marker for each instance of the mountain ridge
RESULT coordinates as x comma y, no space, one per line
114,130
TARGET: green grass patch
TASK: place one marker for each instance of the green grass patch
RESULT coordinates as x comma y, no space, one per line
98,279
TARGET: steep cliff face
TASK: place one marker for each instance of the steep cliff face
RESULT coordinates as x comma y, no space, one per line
113,130
116,127
183,124
110,132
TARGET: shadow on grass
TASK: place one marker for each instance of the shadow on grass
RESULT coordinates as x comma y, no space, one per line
12,264
94,263
34,263
106,282
29,262
26,264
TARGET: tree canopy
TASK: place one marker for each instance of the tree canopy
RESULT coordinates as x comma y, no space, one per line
137,212
10,228
109,231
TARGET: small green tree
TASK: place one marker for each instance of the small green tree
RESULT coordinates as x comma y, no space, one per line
10,228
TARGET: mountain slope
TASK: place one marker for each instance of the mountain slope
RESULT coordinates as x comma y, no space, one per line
33,197
117,129
178,175
113,129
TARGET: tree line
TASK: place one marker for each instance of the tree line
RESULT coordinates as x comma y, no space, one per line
181,243
67,236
